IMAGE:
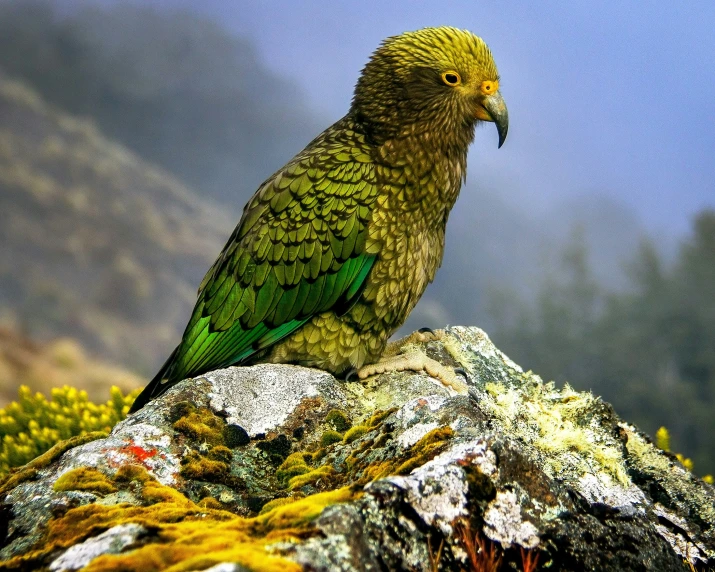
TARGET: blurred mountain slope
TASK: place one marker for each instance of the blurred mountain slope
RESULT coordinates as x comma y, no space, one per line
43,367
96,243
177,89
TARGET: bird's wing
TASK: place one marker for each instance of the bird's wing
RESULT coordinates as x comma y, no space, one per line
298,250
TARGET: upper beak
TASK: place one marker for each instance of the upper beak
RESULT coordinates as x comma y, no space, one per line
494,109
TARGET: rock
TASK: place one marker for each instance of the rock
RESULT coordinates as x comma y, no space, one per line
278,467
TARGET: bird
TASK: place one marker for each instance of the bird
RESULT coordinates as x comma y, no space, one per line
334,250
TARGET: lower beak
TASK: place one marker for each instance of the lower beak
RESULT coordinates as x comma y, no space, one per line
494,109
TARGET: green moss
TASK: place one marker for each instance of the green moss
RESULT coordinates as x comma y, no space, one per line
339,420
33,424
355,433
330,437
85,479
277,448
235,436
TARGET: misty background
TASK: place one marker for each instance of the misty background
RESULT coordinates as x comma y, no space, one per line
131,136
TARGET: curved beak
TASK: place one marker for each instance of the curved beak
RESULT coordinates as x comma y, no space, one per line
494,109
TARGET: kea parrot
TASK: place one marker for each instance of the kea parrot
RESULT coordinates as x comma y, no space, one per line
335,249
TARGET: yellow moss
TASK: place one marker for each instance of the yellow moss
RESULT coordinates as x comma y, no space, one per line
355,433
187,536
379,416
85,479
210,502
310,477
329,437
202,468
295,459
202,425
425,449
221,453
33,424
270,505
301,512
339,420
129,473
295,464
29,471
662,441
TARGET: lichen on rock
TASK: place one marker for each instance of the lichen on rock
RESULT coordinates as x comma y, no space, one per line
278,467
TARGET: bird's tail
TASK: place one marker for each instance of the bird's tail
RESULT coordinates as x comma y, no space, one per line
155,387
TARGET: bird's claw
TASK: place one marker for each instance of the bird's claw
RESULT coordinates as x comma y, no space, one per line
463,372
351,375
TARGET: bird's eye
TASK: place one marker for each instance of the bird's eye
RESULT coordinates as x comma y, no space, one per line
451,78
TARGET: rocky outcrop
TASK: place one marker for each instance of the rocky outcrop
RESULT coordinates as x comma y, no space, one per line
278,467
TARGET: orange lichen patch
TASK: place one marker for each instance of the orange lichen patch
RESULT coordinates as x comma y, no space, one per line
85,479
201,425
184,535
29,471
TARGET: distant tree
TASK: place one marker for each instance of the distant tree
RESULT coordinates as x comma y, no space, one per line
650,350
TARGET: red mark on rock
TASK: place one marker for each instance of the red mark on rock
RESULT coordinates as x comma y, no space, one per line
139,452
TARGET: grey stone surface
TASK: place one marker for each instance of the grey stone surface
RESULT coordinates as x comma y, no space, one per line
527,465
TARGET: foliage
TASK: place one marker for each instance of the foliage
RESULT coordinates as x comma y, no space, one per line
662,441
33,424
648,350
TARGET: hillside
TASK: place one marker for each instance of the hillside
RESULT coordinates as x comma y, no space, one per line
96,243
62,362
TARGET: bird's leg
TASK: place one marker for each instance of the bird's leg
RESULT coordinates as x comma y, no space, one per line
405,355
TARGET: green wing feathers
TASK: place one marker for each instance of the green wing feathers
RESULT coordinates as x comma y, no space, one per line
298,250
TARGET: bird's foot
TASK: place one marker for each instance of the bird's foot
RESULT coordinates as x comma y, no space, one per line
415,360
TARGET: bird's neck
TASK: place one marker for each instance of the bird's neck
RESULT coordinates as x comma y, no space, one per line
426,168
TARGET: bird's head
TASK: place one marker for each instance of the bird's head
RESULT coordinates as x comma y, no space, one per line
435,80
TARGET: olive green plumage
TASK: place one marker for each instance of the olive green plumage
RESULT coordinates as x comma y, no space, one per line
336,248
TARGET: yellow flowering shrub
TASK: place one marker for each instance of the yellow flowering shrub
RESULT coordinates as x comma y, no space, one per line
33,424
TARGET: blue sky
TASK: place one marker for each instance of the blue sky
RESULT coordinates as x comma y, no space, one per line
610,97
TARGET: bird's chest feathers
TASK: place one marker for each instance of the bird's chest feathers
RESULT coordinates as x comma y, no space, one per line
417,191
